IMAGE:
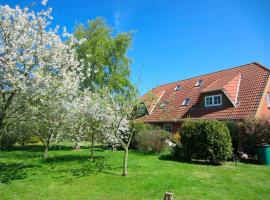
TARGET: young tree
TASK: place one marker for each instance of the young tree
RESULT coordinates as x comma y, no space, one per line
121,113
104,53
31,52
86,116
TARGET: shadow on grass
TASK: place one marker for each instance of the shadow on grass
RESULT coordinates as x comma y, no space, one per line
70,158
13,171
80,165
250,161
169,157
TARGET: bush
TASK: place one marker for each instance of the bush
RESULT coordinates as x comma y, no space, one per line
206,139
175,137
233,128
7,141
137,128
177,152
253,131
152,141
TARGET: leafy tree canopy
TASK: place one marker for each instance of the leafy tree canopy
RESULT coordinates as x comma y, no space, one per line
104,54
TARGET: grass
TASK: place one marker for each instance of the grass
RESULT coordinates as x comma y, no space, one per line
68,174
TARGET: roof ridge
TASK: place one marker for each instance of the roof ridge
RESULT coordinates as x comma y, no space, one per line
240,66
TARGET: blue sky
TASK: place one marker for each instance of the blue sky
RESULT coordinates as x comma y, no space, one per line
175,40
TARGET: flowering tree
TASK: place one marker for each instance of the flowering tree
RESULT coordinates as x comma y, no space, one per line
121,112
34,61
86,117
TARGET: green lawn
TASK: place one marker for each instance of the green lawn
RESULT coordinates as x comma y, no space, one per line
69,174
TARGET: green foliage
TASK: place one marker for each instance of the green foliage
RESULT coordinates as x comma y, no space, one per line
152,141
34,139
105,56
205,139
233,128
138,127
253,131
7,140
178,152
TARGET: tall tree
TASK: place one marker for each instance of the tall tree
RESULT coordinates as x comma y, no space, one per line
31,53
104,54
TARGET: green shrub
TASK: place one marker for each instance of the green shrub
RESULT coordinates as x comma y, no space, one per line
152,141
137,128
7,141
233,128
253,131
206,139
177,151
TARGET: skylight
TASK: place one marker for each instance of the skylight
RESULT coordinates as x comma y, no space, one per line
177,88
185,102
199,83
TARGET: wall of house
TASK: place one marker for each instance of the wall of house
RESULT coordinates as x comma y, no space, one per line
175,125
263,109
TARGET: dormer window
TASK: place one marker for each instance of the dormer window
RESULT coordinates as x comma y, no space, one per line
213,100
177,88
199,83
185,102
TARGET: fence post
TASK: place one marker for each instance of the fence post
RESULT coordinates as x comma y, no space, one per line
168,196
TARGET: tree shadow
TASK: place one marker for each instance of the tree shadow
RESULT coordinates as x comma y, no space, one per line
250,161
193,161
69,158
84,167
13,171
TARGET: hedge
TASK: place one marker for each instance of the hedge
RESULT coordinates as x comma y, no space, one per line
206,139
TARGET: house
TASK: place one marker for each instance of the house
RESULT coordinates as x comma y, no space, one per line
231,94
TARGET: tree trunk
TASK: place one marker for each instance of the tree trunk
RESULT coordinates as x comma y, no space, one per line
2,130
77,146
125,172
113,148
1,140
92,148
46,152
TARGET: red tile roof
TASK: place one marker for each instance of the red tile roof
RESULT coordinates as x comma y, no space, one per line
244,85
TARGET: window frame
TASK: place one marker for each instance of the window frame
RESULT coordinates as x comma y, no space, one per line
170,127
185,104
212,97
177,88
199,83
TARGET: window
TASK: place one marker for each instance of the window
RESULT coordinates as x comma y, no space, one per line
268,100
177,88
185,102
199,83
214,100
168,127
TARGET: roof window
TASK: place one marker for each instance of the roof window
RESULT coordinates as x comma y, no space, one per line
177,88
185,102
199,83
